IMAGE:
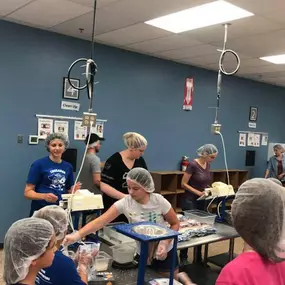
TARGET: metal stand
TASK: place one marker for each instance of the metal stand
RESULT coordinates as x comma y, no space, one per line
127,229
221,219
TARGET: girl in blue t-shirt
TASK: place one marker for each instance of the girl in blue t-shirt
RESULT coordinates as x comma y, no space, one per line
50,177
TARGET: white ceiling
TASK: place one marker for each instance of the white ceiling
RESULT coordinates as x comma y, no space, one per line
120,23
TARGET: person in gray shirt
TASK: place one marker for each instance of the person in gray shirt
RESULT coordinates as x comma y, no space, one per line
90,176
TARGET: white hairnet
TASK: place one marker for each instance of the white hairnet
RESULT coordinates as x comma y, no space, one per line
207,149
57,136
141,177
57,217
25,241
134,140
275,180
258,216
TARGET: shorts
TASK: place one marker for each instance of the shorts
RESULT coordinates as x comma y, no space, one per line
163,265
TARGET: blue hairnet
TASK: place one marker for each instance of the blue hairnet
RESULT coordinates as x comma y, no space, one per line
25,241
207,149
57,136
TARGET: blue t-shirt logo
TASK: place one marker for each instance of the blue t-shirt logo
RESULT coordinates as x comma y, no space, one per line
57,178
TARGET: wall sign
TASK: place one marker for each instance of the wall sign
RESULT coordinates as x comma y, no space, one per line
66,105
188,94
253,114
68,91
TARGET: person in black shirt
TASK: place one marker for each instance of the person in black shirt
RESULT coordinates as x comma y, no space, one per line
113,177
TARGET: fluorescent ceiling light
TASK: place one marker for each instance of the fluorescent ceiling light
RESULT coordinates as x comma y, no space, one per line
276,59
201,16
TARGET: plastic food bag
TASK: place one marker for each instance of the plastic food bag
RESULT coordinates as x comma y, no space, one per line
86,255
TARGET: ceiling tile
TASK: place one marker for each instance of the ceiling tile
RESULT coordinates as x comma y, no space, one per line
259,6
90,3
240,28
54,11
163,44
8,6
189,52
106,21
260,45
261,69
143,10
132,34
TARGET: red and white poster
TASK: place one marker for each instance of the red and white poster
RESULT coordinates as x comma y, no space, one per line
188,94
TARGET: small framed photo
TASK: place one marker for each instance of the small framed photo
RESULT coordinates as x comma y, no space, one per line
253,114
68,91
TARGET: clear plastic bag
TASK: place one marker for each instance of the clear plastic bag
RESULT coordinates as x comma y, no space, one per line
87,253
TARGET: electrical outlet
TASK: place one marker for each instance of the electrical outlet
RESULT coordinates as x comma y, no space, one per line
20,139
216,128
89,118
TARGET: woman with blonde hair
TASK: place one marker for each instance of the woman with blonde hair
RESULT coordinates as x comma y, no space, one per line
113,178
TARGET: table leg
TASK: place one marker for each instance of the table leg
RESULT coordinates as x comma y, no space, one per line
174,255
206,254
142,263
231,249
195,254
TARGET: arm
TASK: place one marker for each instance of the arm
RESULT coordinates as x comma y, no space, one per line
171,218
96,179
31,194
111,192
184,184
269,168
266,173
95,166
83,273
100,222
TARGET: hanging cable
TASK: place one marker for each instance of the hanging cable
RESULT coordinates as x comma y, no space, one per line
90,72
91,67
222,70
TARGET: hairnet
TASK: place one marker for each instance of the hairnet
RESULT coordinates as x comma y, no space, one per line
207,149
134,140
258,216
278,147
275,180
141,177
57,217
25,241
57,136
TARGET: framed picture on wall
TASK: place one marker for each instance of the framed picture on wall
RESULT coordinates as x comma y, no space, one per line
68,92
253,114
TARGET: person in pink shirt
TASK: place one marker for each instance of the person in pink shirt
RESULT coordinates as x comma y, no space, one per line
258,214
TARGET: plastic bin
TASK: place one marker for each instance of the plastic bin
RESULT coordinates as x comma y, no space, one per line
200,216
102,261
123,253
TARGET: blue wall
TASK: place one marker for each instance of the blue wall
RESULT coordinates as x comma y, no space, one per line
135,93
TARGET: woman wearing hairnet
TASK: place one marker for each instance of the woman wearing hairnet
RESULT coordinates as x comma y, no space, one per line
50,177
63,270
258,215
276,164
116,168
28,247
140,205
196,178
